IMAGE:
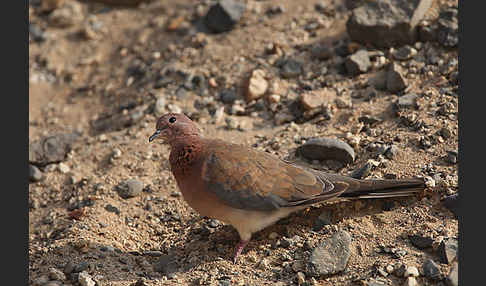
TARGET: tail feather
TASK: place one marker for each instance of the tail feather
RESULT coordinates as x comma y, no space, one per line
378,188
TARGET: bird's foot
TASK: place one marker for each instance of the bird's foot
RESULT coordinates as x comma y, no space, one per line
239,248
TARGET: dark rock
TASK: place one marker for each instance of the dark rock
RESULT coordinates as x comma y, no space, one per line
35,175
51,149
452,156
392,152
407,101
448,250
453,277
228,96
36,33
321,221
386,23
321,52
362,172
165,265
82,266
357,63
327,149
452,203
400,271
448,28
378,81
369,120
404,53
427,33
291,69
431,270
395,79
130,188
224,15
331,256
112,209
153,253
421,242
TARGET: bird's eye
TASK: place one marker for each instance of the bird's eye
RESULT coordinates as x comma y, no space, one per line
172,119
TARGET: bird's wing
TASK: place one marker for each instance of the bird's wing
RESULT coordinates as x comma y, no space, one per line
246,178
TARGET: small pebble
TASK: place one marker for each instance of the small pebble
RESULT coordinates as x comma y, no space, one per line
35,175
130,188
85,279
63,168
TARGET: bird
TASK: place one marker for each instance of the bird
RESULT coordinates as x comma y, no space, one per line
252,189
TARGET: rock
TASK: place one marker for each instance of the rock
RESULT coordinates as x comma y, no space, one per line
362,172
385,23
453,277
40,281
68,15
404,53
410,281
378,81
357,63
228,96
316,99
112,209
452,203
400,270
392,152
56,274
411,271
321,52
130,188
116,153
327,149
51,149
257,85
421,242
321,221
452,156
395,79
343,102
448,28
448,250
407,101
311,100
159,108
431,270
331,256
63,168
224,15
36,33
80,267
165,265
290,68
85,279
35,175
427,33
369,120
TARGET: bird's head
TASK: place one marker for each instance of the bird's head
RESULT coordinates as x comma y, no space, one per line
172,126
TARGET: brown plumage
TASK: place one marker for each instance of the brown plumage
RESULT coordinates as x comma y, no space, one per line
251,189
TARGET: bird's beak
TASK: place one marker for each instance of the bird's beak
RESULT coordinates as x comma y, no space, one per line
155,135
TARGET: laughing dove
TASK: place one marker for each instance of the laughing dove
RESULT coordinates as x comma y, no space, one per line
252,189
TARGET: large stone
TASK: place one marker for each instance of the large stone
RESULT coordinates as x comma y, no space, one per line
386,23
395,78
256,85
327,149
224,15
331,256
51,149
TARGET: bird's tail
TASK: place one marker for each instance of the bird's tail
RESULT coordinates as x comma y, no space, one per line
381,188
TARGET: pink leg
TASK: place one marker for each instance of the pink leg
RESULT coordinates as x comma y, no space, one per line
239,248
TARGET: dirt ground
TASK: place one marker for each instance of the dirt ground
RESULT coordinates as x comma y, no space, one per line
109,62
